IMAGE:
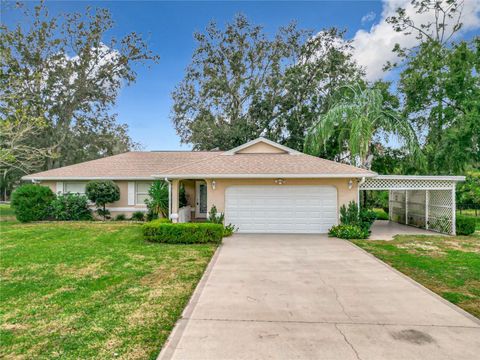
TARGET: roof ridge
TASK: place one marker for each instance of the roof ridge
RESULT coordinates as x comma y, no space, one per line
192,162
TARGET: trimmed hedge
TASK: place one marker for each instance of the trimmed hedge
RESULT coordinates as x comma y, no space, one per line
184,233
465,225
32,202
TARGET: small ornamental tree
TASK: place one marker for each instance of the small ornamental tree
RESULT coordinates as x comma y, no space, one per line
102,193
157,204
32,202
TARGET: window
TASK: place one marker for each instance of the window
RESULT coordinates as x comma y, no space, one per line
74,187
142,192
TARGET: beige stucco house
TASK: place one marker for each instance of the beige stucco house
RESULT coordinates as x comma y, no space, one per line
261,186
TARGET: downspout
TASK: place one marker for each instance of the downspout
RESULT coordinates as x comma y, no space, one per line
169,197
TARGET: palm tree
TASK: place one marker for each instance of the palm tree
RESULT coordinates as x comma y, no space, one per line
360,117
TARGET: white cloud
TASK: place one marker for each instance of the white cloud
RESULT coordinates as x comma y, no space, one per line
368,17
373,48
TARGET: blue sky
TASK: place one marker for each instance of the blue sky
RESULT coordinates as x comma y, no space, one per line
169,27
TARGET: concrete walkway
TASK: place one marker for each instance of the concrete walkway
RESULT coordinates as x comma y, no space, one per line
386,230
313,297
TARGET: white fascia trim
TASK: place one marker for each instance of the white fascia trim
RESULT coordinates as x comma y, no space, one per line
421,177
261,176
73,178
266,141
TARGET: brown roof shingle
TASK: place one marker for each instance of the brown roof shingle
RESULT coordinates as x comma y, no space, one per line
144,165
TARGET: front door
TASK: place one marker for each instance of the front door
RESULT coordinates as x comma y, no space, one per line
201,201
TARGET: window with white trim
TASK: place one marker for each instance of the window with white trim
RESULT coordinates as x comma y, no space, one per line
141,192
75,187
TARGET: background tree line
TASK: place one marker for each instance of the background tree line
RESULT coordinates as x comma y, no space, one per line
60,77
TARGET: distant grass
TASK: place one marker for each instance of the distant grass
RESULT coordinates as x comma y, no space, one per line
6,213
449,266
83,290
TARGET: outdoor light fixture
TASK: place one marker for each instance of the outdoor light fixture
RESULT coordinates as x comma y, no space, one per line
279,181
350,184
214,184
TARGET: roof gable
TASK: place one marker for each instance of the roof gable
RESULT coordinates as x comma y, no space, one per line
261,146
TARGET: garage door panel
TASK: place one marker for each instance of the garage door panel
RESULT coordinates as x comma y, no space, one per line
287,209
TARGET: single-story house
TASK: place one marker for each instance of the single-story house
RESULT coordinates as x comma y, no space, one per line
261,186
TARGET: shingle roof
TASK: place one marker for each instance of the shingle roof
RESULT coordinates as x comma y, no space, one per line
265,164
201,164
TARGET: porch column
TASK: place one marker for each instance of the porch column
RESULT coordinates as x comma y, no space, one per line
454,209
174,195
406,207
427,204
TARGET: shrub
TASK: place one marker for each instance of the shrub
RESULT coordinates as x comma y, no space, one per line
158,201
31,202
229,229
350,215
348,232
184,233
151,216
367,217
381,214
102,193
70,207
214,216
138,216
465,225
120,217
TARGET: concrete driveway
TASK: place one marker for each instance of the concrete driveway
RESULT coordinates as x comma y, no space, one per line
312,297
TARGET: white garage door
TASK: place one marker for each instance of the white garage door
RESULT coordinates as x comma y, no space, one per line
281,209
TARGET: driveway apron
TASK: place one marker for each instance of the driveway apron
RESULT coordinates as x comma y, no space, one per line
313,297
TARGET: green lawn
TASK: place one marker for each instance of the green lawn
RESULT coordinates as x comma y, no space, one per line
6,213
449,266
91,290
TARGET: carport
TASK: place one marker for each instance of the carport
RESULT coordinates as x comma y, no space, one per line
426,202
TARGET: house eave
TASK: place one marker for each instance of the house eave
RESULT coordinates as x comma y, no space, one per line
260,176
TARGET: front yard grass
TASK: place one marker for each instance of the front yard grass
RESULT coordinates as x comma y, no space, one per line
91,290
449,266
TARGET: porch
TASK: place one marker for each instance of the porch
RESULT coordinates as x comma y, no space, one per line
188,200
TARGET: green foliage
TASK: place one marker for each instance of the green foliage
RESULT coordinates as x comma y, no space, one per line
157,204
138,216
63,74
242,82
362,114
349,215
229,229
363,219
67,207
150,215
465,225
214,216
32,202
120,217
183,233
381,214
468,192
440,85
102,192
348,232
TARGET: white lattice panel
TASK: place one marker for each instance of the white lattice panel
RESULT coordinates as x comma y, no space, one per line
416,208
440,213
405,184
397,206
